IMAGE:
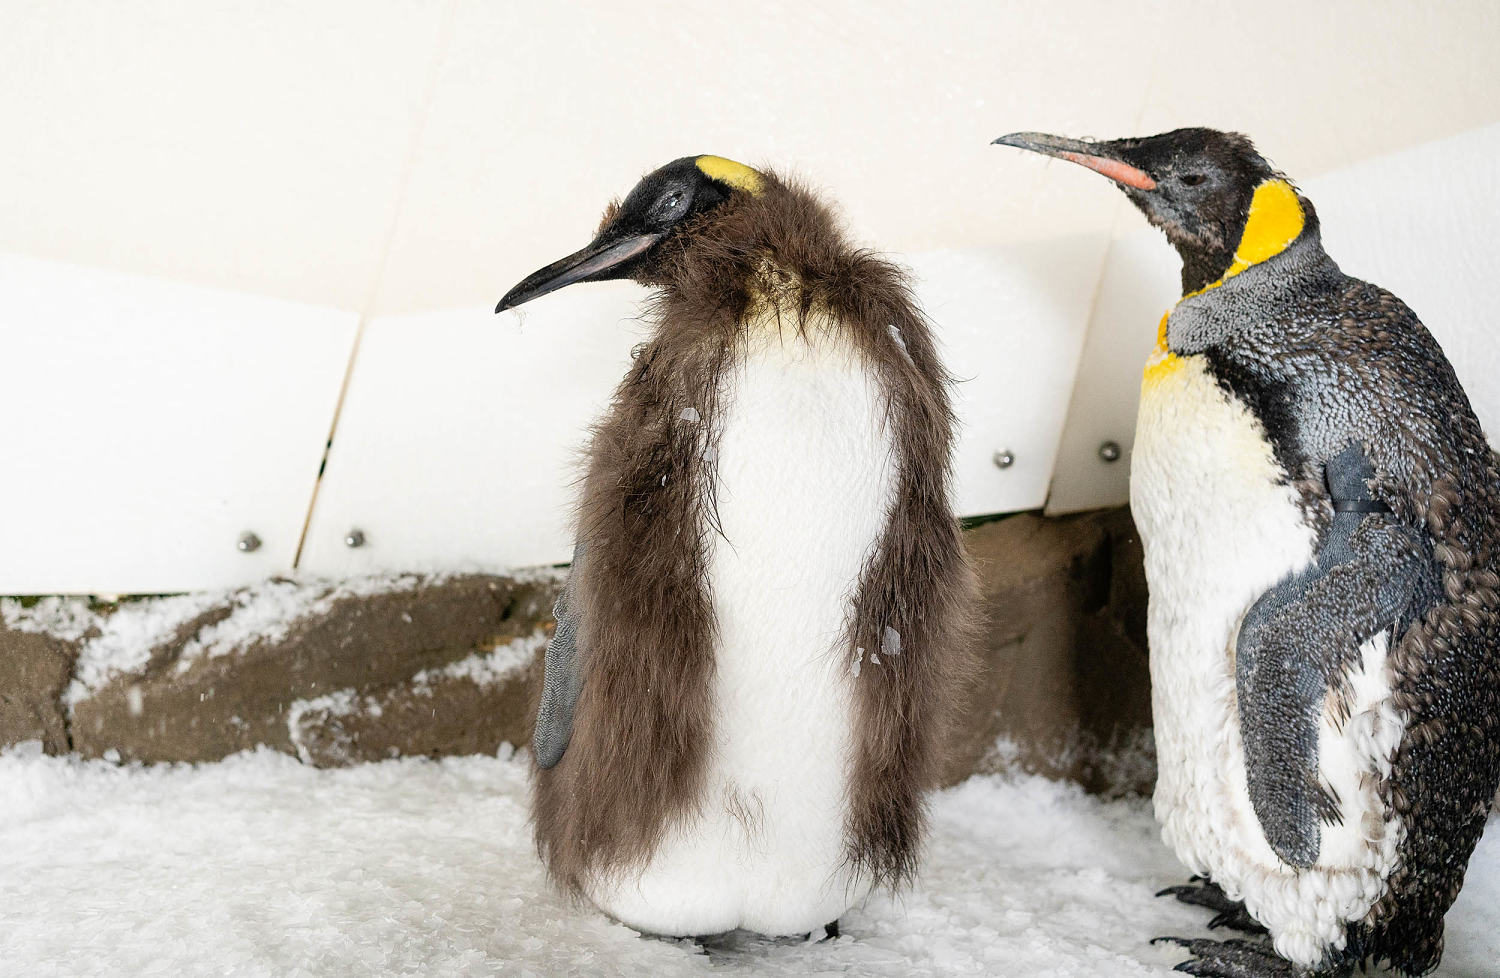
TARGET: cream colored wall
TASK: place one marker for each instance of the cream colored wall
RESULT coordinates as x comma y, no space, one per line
391,157
171,171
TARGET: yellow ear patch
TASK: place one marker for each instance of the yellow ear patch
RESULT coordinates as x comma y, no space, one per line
737,175
1275,221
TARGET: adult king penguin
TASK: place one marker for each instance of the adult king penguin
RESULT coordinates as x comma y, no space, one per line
765,620
1319,511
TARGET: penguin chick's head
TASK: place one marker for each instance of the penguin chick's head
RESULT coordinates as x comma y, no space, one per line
628,244
1197,185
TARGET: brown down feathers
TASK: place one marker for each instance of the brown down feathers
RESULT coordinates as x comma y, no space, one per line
637,761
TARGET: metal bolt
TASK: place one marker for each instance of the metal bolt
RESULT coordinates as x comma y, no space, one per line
1110,451
1005,458
248,543
354,538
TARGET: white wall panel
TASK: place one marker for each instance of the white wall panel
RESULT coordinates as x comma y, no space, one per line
1011,322
544,112
1419,223
264,146
460,431
457,445
401,156
149,424
256,146
1140,281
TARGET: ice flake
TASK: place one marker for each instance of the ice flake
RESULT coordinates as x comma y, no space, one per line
895,332
859,656
690,414
890,642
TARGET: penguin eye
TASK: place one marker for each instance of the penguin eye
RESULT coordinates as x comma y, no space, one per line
671,205
1191,179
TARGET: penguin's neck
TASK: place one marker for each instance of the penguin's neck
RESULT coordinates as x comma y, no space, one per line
1276,218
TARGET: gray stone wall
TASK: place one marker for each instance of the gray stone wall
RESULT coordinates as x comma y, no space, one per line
421,665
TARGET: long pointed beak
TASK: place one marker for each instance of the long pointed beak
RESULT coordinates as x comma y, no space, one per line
599,256
1095,156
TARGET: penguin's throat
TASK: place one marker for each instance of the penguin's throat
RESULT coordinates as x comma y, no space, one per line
1275,220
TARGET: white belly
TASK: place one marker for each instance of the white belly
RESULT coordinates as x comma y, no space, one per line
805,478
1220,527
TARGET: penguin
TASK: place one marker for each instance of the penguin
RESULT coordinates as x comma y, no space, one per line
765,626
1319,509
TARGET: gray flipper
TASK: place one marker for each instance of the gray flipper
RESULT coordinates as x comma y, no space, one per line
1298,641
564,676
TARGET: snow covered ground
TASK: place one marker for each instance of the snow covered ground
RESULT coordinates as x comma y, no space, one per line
259,865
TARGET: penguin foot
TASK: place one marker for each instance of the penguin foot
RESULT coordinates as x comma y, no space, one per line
1202,892
830,933
1241,958
1236,958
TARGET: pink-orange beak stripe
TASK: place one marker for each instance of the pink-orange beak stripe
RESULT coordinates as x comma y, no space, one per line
1114,169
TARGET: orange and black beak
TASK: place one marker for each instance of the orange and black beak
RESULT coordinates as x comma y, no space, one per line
1102,158
603,258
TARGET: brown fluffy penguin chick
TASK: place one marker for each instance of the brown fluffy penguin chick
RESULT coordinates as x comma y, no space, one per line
764,631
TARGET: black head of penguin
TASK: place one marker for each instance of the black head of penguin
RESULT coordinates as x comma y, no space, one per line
1194,184
630,242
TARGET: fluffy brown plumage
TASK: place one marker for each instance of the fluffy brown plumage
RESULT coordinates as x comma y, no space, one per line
636,762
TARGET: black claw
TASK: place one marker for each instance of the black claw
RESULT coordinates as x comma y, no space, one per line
1238,919
1201,892
831,931
1234,958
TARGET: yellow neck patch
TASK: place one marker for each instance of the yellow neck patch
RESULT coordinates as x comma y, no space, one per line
1274,222
737,175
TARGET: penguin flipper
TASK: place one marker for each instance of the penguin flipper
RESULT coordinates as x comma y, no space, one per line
1298,643
563,679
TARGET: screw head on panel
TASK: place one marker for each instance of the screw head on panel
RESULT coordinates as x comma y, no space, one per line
1004,458
354,538
247,543
1110,451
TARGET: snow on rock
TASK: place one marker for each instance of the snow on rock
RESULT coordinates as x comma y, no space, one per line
261,866
488,668
123,642
66,618
127,638
266,612
345,702
345,727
